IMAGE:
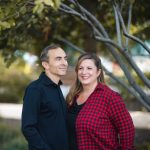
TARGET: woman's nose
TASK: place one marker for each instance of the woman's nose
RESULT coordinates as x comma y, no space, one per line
84,71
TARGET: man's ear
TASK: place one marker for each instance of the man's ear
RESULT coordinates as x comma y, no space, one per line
45,65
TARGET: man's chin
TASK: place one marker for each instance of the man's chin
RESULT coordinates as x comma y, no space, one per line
63,74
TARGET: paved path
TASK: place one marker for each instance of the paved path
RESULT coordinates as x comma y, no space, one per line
10,111
13,111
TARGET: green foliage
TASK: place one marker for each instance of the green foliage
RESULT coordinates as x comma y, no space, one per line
6,22
139,81
11,138
17,143
12,87
6,134
24,28
6,25
39,5
13,81
143,146
30,25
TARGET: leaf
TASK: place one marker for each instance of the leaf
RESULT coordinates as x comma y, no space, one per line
4,25
23,10
38,1
57,3
38,8
48,2
53,3
131,1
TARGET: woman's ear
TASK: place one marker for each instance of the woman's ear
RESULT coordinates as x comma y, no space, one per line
99,72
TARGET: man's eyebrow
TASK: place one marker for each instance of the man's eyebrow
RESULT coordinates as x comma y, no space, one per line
61,57
58,57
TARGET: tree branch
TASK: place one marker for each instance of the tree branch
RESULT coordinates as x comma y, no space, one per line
129,59
130,90
119,60
72,45
84,18
117,27
129,23
130,36
131,81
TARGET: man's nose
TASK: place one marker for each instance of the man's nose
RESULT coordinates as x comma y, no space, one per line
64,61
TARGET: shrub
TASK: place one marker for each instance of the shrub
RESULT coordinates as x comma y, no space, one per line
143,146
12,87
17,143
11,138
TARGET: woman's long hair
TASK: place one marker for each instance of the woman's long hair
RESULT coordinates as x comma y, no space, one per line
77,86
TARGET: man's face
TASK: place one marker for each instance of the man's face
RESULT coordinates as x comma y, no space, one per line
57,63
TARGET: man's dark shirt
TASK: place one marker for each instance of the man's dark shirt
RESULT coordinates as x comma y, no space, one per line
44,116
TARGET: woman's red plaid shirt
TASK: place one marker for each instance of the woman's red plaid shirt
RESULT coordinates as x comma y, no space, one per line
104,123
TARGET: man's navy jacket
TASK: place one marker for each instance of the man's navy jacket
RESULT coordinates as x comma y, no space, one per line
44,116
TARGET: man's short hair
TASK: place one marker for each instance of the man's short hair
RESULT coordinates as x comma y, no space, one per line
44,53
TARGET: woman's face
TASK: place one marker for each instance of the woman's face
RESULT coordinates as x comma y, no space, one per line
87,72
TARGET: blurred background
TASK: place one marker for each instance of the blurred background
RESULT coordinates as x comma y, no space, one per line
26,27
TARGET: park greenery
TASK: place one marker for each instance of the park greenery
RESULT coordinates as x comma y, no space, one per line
12,139
109,28
14,79
106,27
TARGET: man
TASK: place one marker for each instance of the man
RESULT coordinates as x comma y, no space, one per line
44,107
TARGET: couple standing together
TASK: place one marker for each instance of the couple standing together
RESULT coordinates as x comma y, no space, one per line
93,117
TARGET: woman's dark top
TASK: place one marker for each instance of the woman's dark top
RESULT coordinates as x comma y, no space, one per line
71,123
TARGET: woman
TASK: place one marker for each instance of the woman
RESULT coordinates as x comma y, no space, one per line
97,116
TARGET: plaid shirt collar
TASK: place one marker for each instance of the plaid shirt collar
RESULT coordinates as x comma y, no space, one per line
100,86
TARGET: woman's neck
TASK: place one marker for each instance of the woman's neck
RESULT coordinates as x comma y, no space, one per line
89,88
85,93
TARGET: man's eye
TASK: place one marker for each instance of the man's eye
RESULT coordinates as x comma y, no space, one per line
89,68
58,58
